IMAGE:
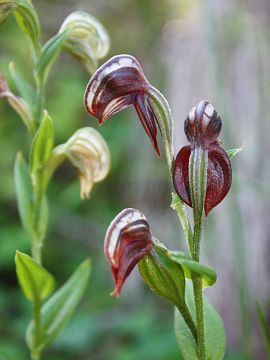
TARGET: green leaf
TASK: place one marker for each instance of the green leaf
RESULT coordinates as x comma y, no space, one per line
36,282
25,89
24,193
42,144
215,339
178,205
49,53
163,276
43,218
232,152
190,266
27,19
56,312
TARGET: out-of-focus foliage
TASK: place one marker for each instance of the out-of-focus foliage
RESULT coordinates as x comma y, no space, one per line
138,325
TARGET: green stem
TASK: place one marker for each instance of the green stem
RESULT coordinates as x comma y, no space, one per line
35,354
198,175
198,297
184,311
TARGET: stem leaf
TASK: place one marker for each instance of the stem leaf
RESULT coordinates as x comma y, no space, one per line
36,282
56,312
25,89
49,53
215,339
42,144
190,267
23,187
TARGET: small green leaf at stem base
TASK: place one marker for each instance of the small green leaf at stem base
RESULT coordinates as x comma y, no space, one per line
56,312
215,339
36,282
232,152
190,267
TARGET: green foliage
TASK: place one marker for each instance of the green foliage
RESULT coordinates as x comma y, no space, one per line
167,280
24,88
56,312
42,144
28,20
23,187
232,152
190,267
49,53
215,339
36,282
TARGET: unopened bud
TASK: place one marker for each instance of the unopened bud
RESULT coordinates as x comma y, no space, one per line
203,124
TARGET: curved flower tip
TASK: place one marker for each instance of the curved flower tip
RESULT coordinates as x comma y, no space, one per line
127,240
202,128
117,84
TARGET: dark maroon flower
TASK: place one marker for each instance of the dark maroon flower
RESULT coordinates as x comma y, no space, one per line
117,84
202,128
127,240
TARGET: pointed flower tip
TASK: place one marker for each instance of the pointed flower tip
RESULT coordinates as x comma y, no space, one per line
202,128
127,240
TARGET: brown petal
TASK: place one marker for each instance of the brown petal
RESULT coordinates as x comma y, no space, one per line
128,239
114,86
219,177
180,174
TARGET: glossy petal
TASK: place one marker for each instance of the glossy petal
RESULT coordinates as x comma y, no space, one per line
181,176
202,125
117,84
219,177
147,119
128,239
114,86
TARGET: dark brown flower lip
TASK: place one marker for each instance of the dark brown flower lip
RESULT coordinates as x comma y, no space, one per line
125,218
123,60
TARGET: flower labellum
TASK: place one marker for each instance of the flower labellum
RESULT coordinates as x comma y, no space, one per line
117,84
127,240
202,128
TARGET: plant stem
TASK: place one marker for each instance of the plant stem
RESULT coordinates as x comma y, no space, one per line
35,354
184,311
198,297
198,175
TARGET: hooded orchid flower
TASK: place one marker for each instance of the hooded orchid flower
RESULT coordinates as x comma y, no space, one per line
120,83
127,240
202,128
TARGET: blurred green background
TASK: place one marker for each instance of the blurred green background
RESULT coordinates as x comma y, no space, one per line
189,50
